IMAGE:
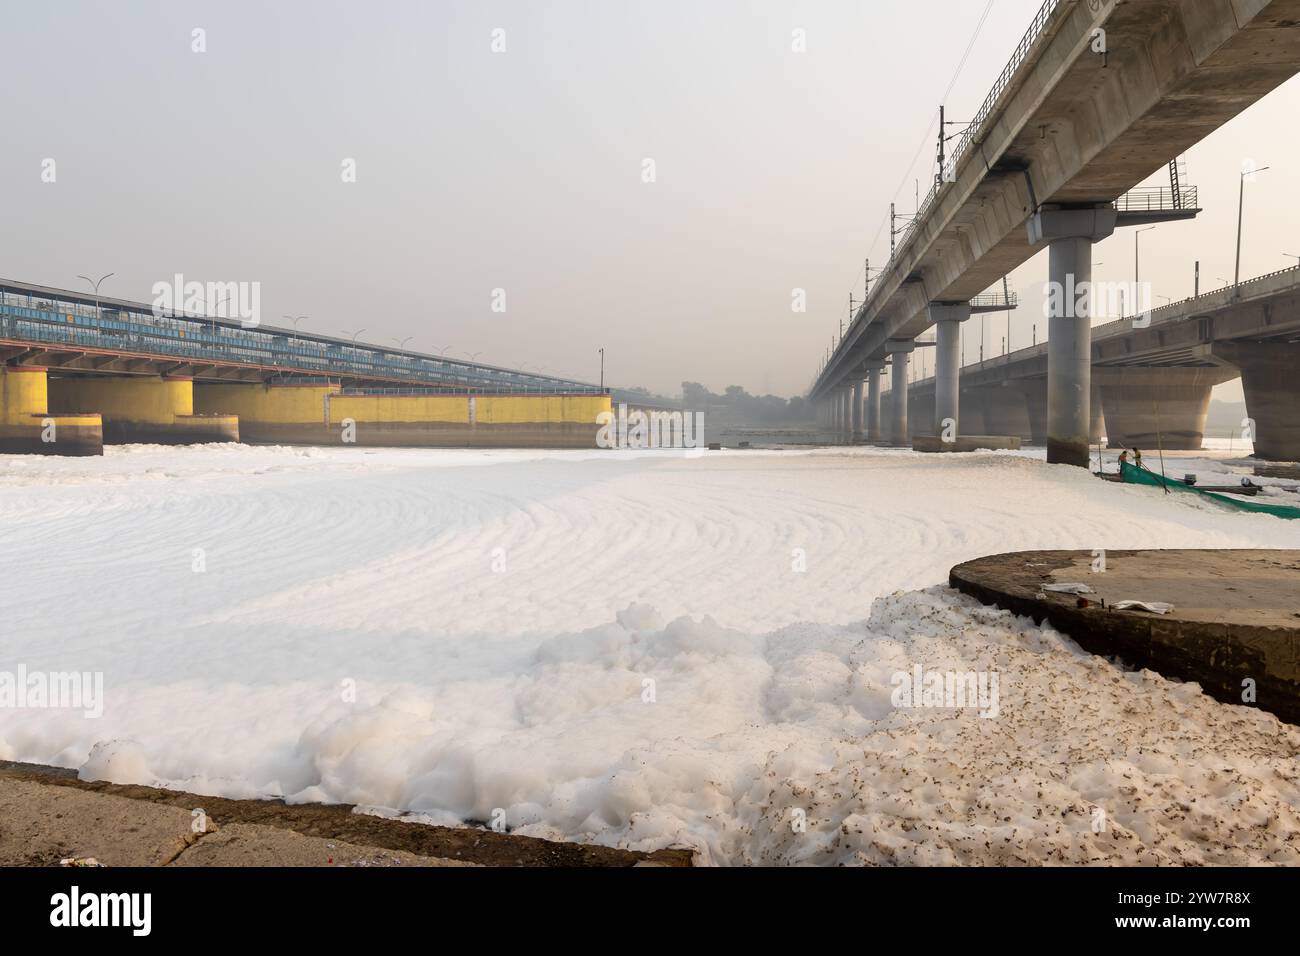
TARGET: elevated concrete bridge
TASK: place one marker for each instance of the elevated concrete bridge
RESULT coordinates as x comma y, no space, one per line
1098,96
1152,374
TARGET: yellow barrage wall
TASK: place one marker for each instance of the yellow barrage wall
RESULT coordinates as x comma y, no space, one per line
157,401
272,404
539,409
447,409
305,404
24,392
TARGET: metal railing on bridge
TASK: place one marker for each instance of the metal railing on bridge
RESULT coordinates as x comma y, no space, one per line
1157,199
972,132
203,339
995,302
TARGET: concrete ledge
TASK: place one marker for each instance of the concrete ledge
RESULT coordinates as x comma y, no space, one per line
75,435
930,443
47,814
423,434
1236,614
185,430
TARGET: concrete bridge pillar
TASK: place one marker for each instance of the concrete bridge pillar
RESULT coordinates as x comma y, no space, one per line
1006,410
1098,427
947,318
898,353
1269,379
1070,234
873,405
1034,391
973,418
28,427
1158,407
920,406
143,408
855,410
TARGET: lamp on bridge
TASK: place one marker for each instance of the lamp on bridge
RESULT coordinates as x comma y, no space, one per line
1241,200
95,285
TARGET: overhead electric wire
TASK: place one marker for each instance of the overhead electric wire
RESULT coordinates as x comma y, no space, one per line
961,65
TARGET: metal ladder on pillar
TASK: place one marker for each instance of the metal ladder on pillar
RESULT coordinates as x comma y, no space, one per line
1177,171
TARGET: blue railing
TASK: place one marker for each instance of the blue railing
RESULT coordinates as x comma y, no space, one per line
52,323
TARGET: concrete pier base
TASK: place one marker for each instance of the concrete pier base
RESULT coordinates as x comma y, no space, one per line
143,409
855,417
28,427
1005,411
1034,393
1234,628
933,443
923,411
973,418
1268,378
1157,407
898,353
1069,234
873,406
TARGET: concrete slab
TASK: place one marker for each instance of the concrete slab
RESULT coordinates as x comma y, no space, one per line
41,825
252,844
47,814
1234,629
931,443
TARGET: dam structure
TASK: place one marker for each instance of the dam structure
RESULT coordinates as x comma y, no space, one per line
78,371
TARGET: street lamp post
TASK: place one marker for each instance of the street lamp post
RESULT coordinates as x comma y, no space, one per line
1292,255
295,319
94,283
212,326
602,367
1241,201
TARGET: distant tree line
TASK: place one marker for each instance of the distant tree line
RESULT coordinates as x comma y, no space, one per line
739,406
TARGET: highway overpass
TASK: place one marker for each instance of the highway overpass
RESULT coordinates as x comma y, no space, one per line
1098,96
1151,375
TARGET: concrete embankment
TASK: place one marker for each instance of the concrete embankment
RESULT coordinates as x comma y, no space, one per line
47,815
1234,627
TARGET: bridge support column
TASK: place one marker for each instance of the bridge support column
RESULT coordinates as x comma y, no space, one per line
1006,410
1268,377
1070,234
898,353
27,426
947,318
855,408
150,409
974,419
1098,427
1034,392
873,405
1157,407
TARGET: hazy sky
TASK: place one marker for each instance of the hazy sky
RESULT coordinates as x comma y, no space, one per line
523,170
